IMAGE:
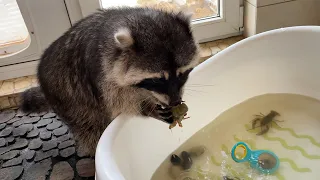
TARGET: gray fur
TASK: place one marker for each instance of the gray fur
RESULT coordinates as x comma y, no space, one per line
101,66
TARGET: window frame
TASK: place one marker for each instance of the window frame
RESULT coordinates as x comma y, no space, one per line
229,23
32,50
45,21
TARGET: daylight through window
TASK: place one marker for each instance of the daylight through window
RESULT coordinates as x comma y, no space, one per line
14,35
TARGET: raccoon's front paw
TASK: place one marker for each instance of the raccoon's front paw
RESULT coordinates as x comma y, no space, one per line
162,114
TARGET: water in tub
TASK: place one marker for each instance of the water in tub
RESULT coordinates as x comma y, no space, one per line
294,138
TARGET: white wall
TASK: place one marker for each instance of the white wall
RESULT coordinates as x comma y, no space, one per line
264,15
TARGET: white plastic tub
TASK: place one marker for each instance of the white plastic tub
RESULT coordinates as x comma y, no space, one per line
279,61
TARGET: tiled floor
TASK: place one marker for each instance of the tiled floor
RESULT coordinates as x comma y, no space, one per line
39,147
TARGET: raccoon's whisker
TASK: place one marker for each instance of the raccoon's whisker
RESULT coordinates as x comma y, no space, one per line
201,84
145,105
195,90
188,86
188,94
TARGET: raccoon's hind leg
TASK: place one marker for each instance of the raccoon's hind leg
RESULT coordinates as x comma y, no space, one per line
87,138
87,125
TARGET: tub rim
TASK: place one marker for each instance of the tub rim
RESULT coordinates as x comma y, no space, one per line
106,166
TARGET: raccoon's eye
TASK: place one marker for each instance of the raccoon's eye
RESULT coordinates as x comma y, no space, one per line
151,84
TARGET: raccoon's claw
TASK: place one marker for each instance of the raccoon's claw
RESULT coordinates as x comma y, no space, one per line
163,114
164,118
169,121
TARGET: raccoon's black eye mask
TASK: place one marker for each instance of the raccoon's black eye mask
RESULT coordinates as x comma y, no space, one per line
184,76
161,84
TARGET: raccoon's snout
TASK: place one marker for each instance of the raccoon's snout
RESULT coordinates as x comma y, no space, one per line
175,101
167,101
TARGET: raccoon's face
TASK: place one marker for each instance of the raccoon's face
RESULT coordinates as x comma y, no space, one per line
157,54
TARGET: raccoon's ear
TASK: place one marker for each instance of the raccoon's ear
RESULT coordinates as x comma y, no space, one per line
123,38
185,16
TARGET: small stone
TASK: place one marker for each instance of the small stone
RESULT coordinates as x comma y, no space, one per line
49,115
20,144
35,144
43,155
31,120
175,171
60,131
22,130
10,139
2,126
11,173
85,167
13,162
62,171
2,142
63,138
39,170
197,151
6,116
66,144
43,122
185,155
67,152
175,160
46,135
6,132
187,161
33,133
9,155
49,145
18,123
30,154
54,125
13,120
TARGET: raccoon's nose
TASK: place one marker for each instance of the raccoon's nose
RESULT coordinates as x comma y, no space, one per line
175,102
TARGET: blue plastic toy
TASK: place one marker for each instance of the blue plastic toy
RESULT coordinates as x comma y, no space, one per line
263,160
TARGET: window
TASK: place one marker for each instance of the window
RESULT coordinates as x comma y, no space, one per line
212,19
27,28
14,35
202,9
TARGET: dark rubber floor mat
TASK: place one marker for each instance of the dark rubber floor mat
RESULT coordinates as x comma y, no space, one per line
40,147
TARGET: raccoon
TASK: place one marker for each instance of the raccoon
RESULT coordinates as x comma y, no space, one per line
134,61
